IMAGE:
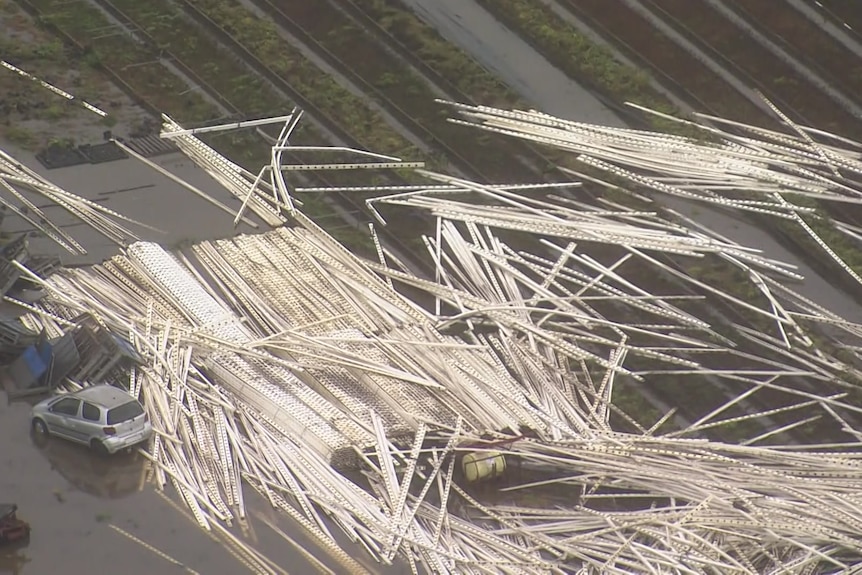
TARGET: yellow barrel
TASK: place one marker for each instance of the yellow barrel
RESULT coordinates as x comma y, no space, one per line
480,466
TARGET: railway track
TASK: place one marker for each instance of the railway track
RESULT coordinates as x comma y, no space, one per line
826,114
262,69
527,163
667,11
311,108
669,63
747,59
675,84
632,118
149,43
140,99
346,202
425,134
844,14
359,14
795,29
531,158
224,37
768,400
578,10
386,233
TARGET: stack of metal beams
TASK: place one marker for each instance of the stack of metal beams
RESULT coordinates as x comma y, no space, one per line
271,360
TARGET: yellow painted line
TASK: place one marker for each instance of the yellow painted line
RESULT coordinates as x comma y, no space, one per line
317,563
149,547
237,552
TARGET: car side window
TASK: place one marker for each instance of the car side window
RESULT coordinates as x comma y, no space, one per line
91,412
66,406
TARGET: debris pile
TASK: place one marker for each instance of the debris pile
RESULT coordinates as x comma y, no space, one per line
276,360
733,166
25,186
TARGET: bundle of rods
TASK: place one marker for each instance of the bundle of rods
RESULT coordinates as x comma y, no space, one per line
551,328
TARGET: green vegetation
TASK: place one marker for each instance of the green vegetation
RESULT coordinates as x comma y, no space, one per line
583,59
822,224
384,76
24,99
261,38
459,69
121,56
437,53
14,51
628,399
736,431
841,243
135,66
21,137
718,273
172,31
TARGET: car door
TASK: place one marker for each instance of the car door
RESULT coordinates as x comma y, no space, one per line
91,424
64,416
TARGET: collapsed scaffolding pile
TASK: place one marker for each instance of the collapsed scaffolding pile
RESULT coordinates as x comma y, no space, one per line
731,165
20,186
272,359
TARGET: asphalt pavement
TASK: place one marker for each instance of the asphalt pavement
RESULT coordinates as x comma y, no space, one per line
137,191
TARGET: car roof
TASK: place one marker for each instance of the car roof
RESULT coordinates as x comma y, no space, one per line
105,395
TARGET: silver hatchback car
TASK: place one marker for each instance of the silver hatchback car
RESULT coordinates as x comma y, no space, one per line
102,416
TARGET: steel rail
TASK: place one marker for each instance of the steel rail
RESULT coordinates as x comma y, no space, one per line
839,15
716,54
423,132
532,158
794,50
661,75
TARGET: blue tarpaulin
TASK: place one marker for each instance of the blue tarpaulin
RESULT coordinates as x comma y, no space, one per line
36,366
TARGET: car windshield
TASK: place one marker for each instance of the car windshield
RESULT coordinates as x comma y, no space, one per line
124,412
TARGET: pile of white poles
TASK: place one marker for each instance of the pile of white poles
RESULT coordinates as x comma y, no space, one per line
732,166
275,360
20,186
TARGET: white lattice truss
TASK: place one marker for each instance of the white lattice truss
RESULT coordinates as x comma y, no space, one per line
275,358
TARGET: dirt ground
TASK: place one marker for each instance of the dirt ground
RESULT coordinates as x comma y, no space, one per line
31,116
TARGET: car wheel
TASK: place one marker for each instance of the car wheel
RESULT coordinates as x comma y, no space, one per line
99,448
40,429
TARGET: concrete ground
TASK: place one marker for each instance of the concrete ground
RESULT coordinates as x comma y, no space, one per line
84,509
89,515
136,191
86,513
78,505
